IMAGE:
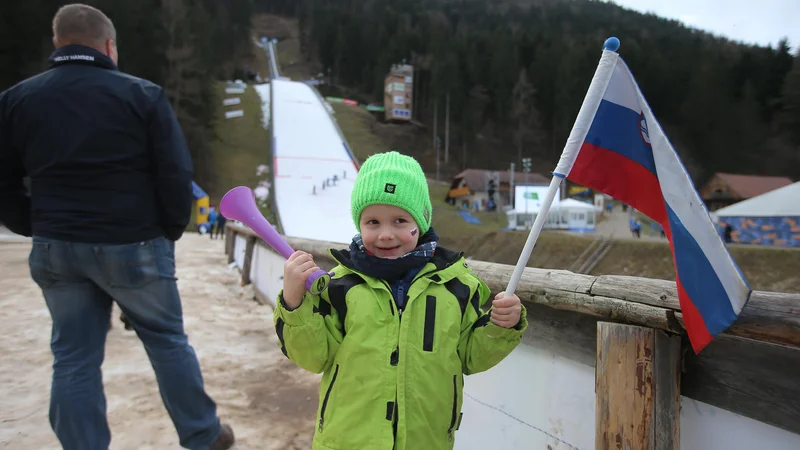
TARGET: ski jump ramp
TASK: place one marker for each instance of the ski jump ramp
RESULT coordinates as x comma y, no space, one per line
308,151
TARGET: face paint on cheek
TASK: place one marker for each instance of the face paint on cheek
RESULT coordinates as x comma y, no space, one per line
413,231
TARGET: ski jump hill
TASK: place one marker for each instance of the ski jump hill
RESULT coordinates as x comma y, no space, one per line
313,168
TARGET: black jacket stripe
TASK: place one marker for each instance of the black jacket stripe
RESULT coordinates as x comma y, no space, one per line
337,292
482,321
324,308
459,291
476,302
430,324
279,330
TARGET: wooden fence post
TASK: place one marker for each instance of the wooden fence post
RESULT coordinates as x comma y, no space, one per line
248,260
637,386
230,244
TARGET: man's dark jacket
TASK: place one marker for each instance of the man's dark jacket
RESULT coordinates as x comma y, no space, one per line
107,160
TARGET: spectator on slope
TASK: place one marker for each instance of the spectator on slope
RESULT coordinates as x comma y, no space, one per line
221,221
212,221
110,194
389,383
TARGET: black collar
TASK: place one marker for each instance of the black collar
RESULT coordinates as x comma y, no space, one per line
78,54
442,258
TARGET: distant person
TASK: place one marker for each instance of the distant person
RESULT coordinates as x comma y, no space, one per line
386,385
663,234
728,233
111,192
212,221
220,229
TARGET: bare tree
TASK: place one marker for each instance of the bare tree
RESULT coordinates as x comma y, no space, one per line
524,113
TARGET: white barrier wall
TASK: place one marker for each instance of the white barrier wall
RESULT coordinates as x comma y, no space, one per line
266,271
535,399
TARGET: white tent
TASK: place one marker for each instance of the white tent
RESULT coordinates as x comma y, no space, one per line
768,219
781,202
568,214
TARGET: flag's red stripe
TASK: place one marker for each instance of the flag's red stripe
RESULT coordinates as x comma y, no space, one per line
620,177
695,326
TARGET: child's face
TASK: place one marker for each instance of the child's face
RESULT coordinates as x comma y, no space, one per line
388,231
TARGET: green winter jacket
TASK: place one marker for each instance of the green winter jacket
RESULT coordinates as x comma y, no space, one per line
393,379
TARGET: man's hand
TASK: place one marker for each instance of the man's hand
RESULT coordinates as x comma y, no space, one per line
506,310
296,271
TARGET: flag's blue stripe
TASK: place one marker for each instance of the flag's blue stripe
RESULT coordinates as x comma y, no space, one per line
699,279
616,128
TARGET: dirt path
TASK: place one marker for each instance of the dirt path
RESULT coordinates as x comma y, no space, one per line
269,401
617,225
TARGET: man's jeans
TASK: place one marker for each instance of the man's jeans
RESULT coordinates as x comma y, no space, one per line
80,282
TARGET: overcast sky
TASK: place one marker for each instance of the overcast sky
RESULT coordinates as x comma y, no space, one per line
762,22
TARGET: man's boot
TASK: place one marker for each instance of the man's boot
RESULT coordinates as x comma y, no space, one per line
225,439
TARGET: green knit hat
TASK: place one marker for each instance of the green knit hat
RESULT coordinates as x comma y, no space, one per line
393,179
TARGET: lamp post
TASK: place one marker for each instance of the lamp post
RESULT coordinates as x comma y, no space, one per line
526,168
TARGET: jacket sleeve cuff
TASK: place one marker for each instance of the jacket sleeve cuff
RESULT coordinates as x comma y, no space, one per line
514,332
297,316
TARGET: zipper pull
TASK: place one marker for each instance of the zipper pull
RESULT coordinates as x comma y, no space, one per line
321,420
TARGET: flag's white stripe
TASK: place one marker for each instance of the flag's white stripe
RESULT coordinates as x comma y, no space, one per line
587,112
682,198
621,89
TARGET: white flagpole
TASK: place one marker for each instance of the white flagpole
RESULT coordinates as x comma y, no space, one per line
534,234
590,103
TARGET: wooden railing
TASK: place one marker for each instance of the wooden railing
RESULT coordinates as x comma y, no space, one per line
636,325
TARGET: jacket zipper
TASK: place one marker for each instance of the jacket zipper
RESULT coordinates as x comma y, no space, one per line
327,396
455,408
401,294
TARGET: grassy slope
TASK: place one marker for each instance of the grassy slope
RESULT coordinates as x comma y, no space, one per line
239,146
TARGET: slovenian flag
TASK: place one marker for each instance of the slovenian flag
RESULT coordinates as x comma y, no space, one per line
617,147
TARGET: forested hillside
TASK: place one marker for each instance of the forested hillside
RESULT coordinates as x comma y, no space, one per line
516,73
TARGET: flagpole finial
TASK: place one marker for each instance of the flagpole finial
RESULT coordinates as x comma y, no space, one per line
612,44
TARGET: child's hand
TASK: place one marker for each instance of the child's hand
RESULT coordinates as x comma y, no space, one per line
296,271
506,310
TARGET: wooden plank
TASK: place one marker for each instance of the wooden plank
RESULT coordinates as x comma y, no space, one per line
637,387
667,365
768,316
248,260
624,387
748,377
230,244
228,232
557,289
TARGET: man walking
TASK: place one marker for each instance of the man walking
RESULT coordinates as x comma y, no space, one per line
110,194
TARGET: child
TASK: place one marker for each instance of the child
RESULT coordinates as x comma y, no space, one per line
399,325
